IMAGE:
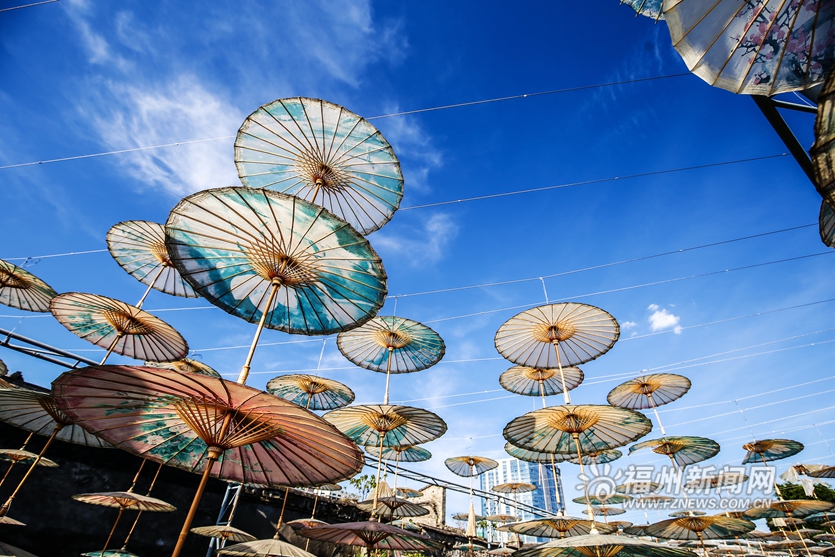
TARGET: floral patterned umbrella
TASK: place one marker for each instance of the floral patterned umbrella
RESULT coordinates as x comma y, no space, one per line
325,154
206,425
649,8
275,260
770,449
699,528
557,335
754,47
118,327
22,290
186,364
138,246
311,391
557,527
531,381
596,545
372,535
392,345
649,391
682,450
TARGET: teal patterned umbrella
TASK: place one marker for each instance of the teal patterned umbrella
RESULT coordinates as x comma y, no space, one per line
770,449
392,345
796,508
754,47
649,8
311,391
534,456
596,457
596,545
407,453
186,365
387,425
138,246
325,154
604,499
531,381
469,466
557,527
700,528
275,260
682,450
21,289
649,391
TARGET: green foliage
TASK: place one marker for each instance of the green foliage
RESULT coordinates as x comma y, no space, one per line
363,484
795,491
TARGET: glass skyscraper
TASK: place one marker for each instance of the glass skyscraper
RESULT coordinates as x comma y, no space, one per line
548,495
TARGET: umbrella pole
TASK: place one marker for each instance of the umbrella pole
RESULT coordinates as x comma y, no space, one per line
11,465
388,375
702,542
657,418
589,513
5,508
148,290
136,520
214,455
119,335
566,397
281,514
397,469
806,547
377,480
274,286
115,523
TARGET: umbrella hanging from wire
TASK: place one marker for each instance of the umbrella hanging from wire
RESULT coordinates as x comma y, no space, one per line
649,391
390,345
468,467
822,156
186,364
557,527
533,456
21,289
767,450
682,450
529,381
138,246
22,456
118,327
593,458
699,528
206,425
371,535
311,391
638,488
275,260
325,154
557,335
596,545
754,48
649,8
223,532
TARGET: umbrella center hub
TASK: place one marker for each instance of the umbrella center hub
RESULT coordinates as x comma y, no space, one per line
51,408
208,419
574,422
11,280
599,550
313,387
278,267
554,332
383,422
392,339
646,388
126,323
319,174
539,374
160,253
668,448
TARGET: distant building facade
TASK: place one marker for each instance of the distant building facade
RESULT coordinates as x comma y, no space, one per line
548,495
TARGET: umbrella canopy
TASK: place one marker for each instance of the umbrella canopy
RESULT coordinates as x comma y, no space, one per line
770,449
683,450
514,487
699,528
257,253
186,364
596,457
603,510
755,48
387,425
636,530
681,514
176,418
394,507
557,527
118,327
592,427
826,224
648,8
501,518
649,391
389,344
310,391
534,456
530,381
597,545
21,289
264,548
300,523
820,518
138,246
25,457
501,551
824,472
110,553
717,481
620,524
557,335
325,154
126,500
407,453
223,532
373,535
822,157
468,466
7,550
604,499
638,488
794,508
465,516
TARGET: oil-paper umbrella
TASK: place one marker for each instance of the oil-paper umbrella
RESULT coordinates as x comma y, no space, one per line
37,412
529,381
21,289
371,535
767,450
604,498
275,260
682,450
325,154
699,528
138,246
118,327
534,456
557,527
578,429
186,364
823,154
826,224
311,391
515,488
206,425
638,488
754,48
407,453
393,507
272,547
470,466
557,335
223,532
392,345
649,391
593,458
596,545
22,456
7,550
823,472
649,8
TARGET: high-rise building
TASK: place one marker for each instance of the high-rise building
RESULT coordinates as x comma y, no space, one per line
548,495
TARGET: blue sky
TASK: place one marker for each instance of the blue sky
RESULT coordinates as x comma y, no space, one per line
84,77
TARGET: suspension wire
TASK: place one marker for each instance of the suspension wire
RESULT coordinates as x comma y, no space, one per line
27,5
390,115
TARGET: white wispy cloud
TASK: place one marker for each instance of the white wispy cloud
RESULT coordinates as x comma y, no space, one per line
423,245
626,325
660,319
414,147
